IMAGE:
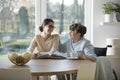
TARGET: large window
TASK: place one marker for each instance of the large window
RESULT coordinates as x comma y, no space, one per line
64,13
17,20
17,24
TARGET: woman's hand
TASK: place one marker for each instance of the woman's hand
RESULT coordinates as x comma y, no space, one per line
34,55
86,57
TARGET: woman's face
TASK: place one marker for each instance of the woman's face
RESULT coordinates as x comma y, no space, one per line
48,29
74,35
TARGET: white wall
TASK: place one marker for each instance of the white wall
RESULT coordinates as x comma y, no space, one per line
100,33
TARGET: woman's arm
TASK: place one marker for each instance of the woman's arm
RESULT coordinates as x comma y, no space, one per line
55,44
86,57
89,49
31,47
88,52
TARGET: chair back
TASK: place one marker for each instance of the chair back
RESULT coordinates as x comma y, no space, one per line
86,71
15,74
100,51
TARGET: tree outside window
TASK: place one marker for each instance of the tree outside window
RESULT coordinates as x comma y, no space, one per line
64,13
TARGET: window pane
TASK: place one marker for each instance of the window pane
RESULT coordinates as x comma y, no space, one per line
16,24
65,12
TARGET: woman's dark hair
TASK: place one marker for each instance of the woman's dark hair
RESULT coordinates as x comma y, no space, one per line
78,28
45,22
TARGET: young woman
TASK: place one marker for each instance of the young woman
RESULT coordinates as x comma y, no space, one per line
45,41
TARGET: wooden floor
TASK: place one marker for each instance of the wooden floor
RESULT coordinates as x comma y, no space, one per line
115,61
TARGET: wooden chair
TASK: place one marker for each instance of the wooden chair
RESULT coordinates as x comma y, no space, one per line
15,74
86,71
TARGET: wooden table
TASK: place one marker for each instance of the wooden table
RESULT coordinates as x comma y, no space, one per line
47,67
